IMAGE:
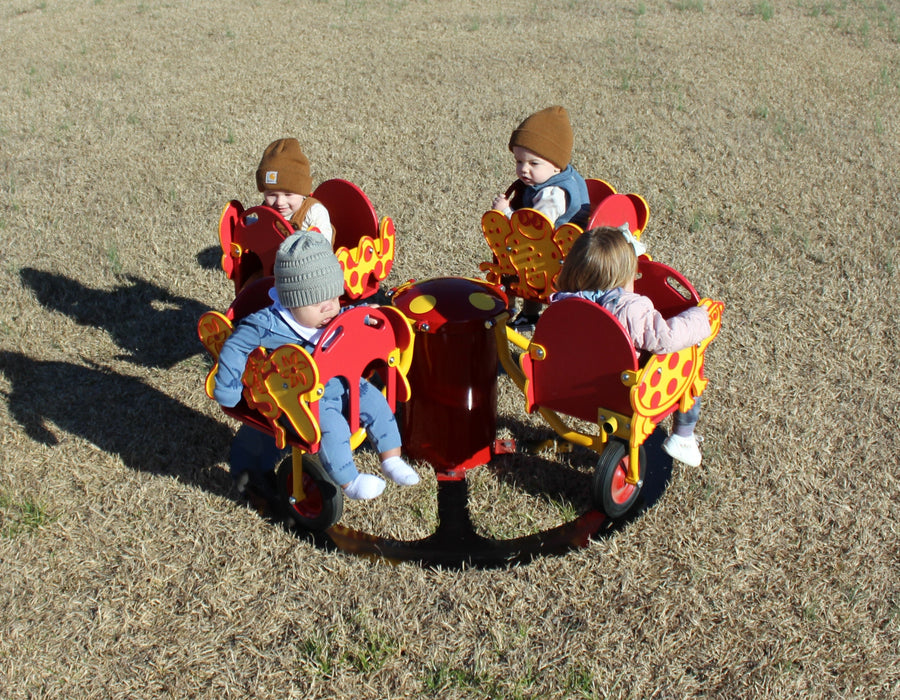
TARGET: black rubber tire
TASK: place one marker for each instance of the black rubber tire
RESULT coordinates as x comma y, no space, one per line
609,490
324,502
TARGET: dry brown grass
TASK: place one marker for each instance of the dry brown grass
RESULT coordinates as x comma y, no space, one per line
764,137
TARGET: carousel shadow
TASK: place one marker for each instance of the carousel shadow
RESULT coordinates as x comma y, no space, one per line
152,326
550,468
154,433
455,543
543,465
148,430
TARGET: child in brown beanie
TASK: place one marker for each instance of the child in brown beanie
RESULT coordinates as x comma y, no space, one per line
547,182
283,176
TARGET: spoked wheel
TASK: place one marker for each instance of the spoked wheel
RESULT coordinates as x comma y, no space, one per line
609,489
323,504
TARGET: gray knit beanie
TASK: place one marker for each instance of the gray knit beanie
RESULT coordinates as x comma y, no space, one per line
306,271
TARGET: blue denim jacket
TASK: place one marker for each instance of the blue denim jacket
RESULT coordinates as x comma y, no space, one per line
264,328
267,328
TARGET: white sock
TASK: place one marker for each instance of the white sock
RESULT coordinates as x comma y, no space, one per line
399,471
364,487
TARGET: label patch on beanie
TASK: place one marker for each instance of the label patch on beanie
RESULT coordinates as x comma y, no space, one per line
271,177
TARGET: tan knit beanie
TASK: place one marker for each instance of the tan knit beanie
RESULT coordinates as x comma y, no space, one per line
548,134
284,167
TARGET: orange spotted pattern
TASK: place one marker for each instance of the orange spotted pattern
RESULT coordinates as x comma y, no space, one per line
282,383
669,379
277,385
527,251
213,329
291,381
369,262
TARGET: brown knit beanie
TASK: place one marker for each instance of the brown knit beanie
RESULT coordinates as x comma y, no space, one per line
284,167
546,133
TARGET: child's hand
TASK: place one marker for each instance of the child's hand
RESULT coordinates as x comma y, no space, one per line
501,203
371,320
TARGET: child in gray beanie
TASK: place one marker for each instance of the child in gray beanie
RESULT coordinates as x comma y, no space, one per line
308,282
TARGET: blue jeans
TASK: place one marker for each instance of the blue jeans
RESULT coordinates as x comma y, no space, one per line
683,423
374,415
255,451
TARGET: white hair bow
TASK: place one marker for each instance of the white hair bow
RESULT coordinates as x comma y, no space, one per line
639,248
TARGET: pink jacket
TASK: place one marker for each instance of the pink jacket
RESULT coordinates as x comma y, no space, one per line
646,326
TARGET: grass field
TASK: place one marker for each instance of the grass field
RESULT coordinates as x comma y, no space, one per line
763,135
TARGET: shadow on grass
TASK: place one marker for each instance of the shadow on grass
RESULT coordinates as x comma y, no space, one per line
210,258
567,476
455,542
152,326
121,415
155,433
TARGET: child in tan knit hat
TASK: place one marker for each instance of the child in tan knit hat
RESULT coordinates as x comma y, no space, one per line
547,182
283,176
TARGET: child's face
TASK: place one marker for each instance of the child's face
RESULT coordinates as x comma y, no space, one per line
285,203
531,169
316,315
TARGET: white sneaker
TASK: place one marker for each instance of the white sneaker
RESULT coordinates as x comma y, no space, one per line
684,449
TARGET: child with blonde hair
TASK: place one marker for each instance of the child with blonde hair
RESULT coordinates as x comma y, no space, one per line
601,267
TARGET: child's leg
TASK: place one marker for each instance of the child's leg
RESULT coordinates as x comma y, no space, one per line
682,444
334,448
528,316
683,423
381,428
253,453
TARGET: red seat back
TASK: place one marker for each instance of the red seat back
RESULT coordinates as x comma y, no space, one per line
360,340
586,350
598,190
253,297
350,211
617,209
668,289
250,239
363,245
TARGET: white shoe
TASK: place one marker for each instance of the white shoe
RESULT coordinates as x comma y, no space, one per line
684,449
